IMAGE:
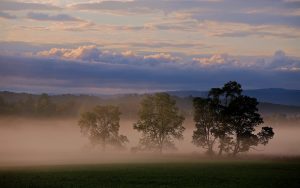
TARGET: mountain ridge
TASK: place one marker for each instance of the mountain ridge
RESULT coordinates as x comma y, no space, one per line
269,95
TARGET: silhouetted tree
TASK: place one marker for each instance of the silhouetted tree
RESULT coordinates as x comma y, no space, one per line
243,118
221,98
160,122
231,118
230,91
101,125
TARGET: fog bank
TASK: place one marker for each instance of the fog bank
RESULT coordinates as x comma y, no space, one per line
41,142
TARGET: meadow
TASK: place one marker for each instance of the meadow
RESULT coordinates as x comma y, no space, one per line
202,173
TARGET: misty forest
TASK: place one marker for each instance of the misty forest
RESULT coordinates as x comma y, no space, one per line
226,122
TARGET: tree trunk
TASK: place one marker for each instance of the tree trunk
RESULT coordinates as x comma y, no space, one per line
220,151
236,148
221,148
160,148
104,145
210,151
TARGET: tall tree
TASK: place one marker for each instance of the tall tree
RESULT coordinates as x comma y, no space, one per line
243,118
222,99
101,125
206,124
160,122
230,118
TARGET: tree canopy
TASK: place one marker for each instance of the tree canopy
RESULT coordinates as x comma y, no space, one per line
159,122
101,125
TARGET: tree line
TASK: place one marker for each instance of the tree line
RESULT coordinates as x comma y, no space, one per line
225,123
71,106
37,106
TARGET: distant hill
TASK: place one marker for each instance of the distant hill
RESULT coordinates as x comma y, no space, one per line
272,95
276,96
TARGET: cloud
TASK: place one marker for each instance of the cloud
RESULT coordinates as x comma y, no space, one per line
152,44
36,74
161,57
278,62
259,34
7,15
47,17
252,19
16,6
282,62
216,60
91,53
140,6
85,53
85,67
236,11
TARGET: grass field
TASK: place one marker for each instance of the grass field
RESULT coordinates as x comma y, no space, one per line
196,174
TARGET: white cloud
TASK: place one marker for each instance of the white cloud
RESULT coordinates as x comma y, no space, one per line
165,57
278,62
87,53
218,61
91,53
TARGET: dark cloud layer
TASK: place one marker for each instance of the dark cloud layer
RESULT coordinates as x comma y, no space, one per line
17,72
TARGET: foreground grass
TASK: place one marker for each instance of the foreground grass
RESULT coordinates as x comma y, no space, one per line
196,174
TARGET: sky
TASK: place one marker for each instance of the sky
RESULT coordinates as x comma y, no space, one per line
125,46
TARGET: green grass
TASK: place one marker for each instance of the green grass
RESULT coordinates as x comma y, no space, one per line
202,174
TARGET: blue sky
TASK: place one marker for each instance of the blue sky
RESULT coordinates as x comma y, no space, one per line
147,45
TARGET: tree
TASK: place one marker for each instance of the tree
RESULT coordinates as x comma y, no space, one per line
160,122
221,98
230,118
3,106
45,106
101,125
206,124
29,105
243,118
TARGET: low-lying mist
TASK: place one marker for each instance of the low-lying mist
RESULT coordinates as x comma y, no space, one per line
59,141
